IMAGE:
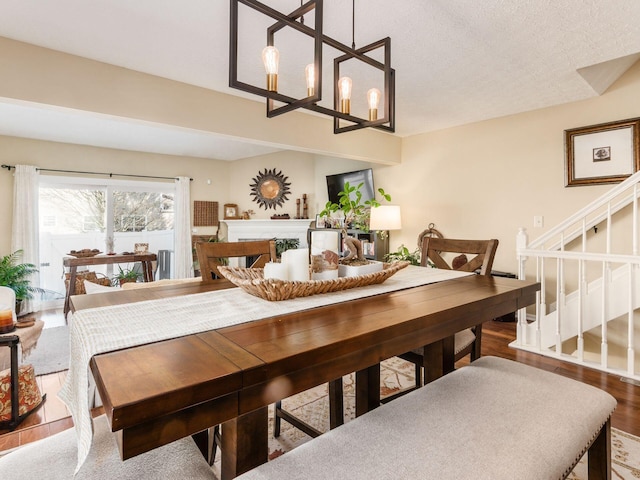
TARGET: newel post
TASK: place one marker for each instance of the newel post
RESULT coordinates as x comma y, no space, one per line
522,241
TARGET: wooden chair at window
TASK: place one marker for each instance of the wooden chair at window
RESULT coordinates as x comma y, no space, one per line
439,251
212,255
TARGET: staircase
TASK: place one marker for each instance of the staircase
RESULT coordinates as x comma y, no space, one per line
590,285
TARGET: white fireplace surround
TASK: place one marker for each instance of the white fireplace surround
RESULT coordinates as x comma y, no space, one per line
245,230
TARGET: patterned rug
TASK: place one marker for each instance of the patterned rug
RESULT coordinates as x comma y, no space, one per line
313,406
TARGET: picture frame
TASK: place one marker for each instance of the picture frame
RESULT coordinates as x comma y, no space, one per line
231,212
602,154
140,248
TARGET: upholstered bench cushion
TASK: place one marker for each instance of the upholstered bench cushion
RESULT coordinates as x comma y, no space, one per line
495,419
29,396
56,457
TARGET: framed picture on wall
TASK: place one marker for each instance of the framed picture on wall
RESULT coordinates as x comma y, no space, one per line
601,154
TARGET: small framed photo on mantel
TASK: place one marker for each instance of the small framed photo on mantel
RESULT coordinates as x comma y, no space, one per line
231,212
602,154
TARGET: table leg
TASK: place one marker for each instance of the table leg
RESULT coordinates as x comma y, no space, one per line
438,359
72,288
147,271
244,443
336,403
15,389
367,389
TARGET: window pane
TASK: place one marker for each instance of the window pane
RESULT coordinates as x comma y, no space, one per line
70,219
71,210
142,211
78,213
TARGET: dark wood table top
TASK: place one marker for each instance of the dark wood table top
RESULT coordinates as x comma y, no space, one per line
248,366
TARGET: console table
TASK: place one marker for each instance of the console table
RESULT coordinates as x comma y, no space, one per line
73,263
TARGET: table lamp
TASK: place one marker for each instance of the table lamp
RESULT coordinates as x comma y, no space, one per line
385,218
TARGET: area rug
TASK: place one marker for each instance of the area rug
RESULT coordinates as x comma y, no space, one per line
52,353
313,407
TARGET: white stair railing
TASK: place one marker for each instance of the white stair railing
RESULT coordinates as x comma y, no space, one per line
589,284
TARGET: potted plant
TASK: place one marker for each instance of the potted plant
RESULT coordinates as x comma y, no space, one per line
15,275
124,276
284,244
356,215
403,254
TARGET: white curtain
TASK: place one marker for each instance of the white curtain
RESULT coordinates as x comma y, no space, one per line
24,230
182,229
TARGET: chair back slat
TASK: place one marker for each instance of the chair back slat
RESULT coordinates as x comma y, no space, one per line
210,255
484,251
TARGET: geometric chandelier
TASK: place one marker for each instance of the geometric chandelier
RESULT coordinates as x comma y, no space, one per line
381,111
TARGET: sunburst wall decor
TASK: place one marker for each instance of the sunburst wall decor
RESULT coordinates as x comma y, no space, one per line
270,189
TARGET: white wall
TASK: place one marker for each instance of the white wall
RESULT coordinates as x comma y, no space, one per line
484,180
298,167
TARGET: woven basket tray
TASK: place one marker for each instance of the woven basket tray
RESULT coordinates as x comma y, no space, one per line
251,280
83,254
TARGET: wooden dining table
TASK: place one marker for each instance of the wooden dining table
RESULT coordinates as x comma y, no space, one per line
156,393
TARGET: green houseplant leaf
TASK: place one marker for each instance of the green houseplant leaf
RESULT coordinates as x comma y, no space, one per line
15,275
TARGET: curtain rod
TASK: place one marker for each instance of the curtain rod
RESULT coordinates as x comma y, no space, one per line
110,175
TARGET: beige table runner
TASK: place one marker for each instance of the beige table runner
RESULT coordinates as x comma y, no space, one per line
105,329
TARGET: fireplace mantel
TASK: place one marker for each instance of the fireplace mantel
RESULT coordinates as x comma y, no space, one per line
242,230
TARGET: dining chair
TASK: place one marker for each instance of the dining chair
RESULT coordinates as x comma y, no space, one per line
212,255
451,254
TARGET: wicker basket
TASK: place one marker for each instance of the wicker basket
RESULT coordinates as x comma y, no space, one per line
251,280
84,254
89,276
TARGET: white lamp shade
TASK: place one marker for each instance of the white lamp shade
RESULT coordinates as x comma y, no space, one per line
385,217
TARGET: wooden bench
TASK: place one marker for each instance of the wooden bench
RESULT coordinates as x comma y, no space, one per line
495,419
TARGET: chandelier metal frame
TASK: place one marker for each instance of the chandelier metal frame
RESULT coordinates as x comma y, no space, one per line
294,20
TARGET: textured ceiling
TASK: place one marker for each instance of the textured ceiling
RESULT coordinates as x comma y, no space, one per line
457,61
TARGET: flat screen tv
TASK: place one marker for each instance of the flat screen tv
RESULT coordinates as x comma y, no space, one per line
335,184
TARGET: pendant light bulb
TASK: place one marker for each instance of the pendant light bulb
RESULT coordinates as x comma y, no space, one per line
344,87
373,98
271,58
310,75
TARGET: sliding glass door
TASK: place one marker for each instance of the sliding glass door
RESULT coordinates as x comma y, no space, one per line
82,213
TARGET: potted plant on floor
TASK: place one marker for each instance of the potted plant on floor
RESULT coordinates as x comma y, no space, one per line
15,275
126,275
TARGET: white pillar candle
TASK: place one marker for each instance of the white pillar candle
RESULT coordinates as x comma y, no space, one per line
321,241
297,262
276,271
325,265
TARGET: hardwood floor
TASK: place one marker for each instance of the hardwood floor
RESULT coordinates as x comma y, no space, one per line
625,417
53,417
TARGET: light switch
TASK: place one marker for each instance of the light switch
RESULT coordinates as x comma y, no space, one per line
538,221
